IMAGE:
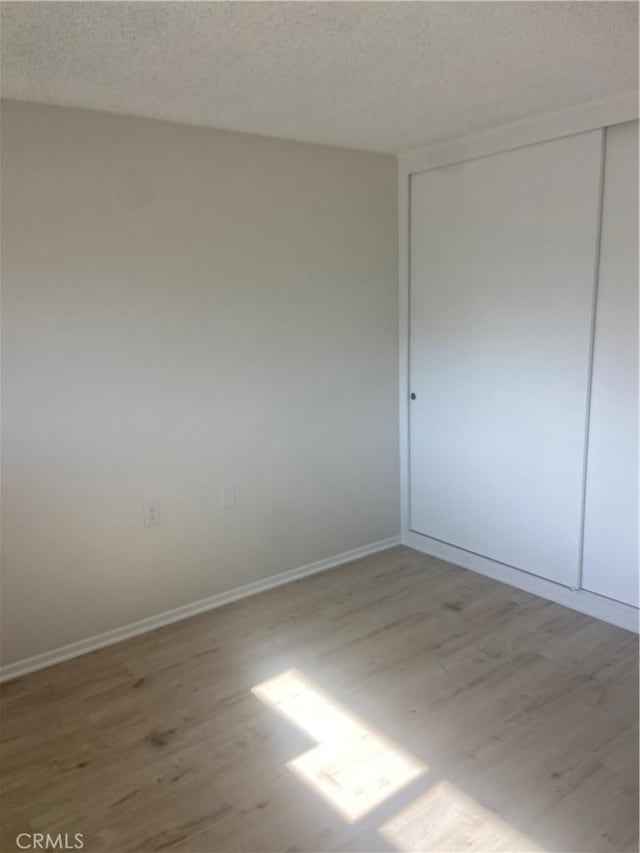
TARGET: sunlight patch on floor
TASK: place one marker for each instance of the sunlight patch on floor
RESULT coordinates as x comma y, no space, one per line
353,767
444,818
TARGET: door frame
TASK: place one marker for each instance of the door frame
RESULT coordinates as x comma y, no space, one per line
598,114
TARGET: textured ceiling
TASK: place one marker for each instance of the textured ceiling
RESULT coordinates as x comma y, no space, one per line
386,76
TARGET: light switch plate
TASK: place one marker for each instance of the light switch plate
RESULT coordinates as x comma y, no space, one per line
228,497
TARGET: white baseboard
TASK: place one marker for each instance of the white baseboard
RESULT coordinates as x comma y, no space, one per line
117,635
622,615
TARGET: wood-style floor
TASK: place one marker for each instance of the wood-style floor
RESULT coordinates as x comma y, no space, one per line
396,703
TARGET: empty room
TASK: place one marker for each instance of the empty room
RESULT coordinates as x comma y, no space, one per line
319,427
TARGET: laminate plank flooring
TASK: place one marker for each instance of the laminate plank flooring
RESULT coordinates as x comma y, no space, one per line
395,703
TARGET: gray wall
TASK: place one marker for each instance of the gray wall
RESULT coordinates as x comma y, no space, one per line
186,309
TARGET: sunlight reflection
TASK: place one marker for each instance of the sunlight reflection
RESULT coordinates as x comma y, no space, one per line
444,818
353,767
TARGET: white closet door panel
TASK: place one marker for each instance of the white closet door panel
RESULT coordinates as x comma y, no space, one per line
502,272
610,564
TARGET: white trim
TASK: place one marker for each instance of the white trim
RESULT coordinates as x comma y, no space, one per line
623,615
404,203
117,635
591,116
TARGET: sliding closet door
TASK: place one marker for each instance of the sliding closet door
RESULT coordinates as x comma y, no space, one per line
611,522
502,268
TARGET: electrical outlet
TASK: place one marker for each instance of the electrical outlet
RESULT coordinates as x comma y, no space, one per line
228,497
151,513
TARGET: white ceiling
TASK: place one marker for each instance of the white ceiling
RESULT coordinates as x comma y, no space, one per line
386,76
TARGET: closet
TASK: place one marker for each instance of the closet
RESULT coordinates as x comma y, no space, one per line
611,519
523,359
